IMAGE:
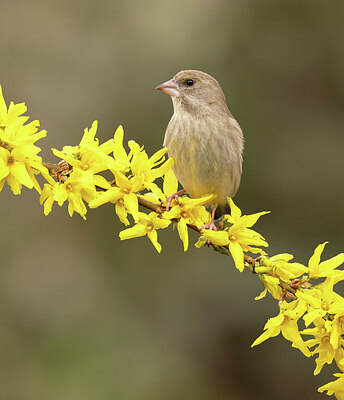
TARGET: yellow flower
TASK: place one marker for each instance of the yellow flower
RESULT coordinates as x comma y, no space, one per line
18,169
189,211
77,187
286,270
271,284
322,301
327,353
236,215
326,268
13,130
286,323
149,168
146,168
326,312
237,234
122,160
19,162
13,169
335,387
123,195
88,155
275,269
147,225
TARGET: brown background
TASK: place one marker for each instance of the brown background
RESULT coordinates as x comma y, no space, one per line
85,316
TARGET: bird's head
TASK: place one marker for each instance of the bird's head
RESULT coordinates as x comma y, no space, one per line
192,89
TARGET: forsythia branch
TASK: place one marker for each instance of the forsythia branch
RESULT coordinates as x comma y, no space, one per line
77,179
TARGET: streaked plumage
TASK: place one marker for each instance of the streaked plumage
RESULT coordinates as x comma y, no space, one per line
202,136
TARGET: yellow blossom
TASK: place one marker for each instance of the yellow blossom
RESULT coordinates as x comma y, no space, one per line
150,168
323,301
326,312
13,130
189,211
326,268
147,225
19,162
322,340
123,195
239,237
77,188
271,284
236,215
335,387
88,155
284,269
286,323
13,170
275,269
122,160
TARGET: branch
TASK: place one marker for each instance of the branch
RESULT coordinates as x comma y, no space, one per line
58,171
61,170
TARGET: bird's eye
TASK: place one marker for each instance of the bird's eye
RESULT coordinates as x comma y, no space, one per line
189,82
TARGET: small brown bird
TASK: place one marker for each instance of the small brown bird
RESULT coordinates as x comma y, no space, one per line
203,138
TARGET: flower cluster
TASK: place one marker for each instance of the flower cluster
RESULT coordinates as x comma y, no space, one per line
182,210
79,179
302,297
19,162
305,294
237,235
78,174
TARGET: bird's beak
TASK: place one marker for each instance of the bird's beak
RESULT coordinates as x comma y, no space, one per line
170,87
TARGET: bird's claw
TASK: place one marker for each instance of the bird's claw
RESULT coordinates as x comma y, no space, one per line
210,226
174,196
169,200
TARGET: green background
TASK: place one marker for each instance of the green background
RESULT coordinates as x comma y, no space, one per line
85,316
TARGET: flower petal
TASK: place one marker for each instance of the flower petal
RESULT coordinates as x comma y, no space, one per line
153,237
237,254
235,211
134,231
110,196
315,259
183,233
132,205
170,185
216,237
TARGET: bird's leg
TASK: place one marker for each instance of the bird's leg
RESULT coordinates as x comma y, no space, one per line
173,196
212,225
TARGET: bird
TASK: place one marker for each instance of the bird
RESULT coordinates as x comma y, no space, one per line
204,139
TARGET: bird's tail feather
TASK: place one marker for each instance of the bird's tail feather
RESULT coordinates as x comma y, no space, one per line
222,209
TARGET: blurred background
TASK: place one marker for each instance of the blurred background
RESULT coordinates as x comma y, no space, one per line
85,316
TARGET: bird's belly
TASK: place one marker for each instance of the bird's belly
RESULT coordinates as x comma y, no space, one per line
202,166
200,175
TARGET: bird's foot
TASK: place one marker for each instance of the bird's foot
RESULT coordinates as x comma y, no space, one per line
210,226
173,196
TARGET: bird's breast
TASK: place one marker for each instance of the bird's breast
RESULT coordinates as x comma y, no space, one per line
207,155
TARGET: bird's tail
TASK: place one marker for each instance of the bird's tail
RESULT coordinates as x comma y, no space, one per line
222,209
